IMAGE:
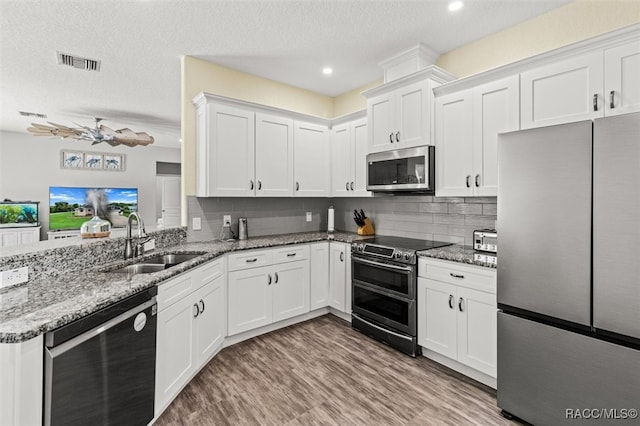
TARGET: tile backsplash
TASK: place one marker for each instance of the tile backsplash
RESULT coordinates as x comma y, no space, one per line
450,219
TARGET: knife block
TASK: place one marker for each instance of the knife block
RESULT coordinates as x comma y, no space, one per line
367,228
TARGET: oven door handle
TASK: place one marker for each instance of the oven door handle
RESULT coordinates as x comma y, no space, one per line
408,269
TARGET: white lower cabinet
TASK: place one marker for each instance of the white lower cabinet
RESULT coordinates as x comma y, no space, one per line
457,313
191,327
17,236
262,295
340,277
319,275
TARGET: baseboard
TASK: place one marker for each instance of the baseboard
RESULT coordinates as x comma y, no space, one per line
342,315
461,368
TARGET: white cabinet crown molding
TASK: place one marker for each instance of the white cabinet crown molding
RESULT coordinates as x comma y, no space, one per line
603,41
433,72
352,116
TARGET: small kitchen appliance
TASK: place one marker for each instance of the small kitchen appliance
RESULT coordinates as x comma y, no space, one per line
485,244
243,232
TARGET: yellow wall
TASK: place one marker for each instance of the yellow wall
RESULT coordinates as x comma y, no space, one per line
352,101
574,22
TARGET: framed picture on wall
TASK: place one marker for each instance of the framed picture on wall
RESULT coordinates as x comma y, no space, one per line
72,160
92,161
114,162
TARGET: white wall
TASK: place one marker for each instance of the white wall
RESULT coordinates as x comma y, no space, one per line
29,165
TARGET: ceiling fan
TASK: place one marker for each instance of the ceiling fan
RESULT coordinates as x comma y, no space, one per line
97,134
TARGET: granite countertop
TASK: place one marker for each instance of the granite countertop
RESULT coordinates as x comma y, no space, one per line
44,304
455,253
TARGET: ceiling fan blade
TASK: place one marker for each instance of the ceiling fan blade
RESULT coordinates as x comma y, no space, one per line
43,126
107,130
60,126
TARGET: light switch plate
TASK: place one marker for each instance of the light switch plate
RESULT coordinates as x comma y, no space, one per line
14,276
309,216
196,224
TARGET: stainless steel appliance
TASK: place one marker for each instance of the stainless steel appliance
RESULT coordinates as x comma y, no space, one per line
384,277
243,232
568,289
101,369
406,170
485,240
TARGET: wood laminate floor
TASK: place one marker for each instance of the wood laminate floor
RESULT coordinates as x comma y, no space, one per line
321,372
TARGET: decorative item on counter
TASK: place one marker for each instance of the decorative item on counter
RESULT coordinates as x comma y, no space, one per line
95,228
365,227
243,232
331,219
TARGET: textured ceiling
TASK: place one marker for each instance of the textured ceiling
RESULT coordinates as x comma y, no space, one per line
140,44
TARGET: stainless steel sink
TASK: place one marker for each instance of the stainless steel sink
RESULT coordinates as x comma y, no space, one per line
171,259
140,268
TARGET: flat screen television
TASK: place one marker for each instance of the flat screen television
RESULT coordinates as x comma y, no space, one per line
70,207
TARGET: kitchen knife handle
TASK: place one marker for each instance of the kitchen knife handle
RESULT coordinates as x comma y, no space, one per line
451,301
595,102
467,181
460,306
612,104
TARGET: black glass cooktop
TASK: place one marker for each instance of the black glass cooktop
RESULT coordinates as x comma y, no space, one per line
405,243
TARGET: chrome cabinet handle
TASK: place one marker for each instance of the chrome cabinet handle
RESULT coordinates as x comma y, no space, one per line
291,254
467,181
276,278
202,303
269,280
397,136
195,305
612,104
456,275
255,259
259,185
595,102
460,304
451,301
346,185
477,181
341,256
297,186
251,183
352,186
391,137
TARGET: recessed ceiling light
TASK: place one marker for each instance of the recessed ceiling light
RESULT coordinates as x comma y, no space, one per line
327,70
455,5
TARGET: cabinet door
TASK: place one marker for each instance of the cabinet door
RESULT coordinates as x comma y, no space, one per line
175,356
210,327
496,109
337,276
230,164
249,299
562,92
290,290
311,165
621,79
341,160
413,115
274,156
381,115
359,148
9,238
454,139
477,330
437,317
319,275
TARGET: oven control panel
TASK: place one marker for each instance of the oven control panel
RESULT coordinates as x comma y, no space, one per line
403,256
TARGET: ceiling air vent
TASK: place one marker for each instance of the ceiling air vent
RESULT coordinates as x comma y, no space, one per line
32,114
78,62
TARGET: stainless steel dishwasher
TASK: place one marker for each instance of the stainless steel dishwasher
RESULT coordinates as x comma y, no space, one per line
100,369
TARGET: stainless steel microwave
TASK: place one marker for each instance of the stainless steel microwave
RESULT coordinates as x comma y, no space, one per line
402,170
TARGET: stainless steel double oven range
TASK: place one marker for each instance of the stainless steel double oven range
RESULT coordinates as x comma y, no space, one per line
384,276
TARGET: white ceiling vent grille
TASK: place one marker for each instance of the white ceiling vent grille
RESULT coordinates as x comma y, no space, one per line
78,62
32,114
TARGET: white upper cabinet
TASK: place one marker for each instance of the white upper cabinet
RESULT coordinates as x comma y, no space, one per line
349,159
224,151
311,160
622,79
274,156
467,127
400,112
562,92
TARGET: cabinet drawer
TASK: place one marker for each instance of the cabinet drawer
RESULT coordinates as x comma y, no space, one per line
250,259
209,272
291,253
171,291
474,277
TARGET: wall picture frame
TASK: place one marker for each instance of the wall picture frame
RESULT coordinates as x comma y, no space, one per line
72,160
113,162
92,161
85,160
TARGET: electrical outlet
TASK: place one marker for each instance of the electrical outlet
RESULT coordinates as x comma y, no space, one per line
196,224
149,245
226,220
309,216
14,276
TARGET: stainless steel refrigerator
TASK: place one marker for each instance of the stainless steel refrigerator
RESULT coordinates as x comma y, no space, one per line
569,272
